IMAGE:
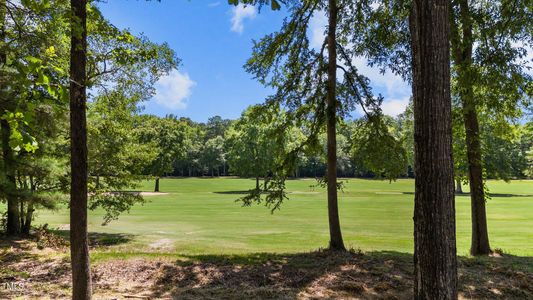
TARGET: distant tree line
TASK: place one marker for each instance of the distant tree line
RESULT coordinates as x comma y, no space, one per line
244,147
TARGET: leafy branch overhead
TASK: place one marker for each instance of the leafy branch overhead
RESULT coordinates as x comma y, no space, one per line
286,61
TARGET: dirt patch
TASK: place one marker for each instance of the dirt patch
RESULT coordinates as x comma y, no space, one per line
163,244
152,194
316,275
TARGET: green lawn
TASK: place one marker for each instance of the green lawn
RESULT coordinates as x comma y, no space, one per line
200,216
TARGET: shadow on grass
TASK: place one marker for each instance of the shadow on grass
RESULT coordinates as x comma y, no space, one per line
99,238
323,274
508,195
239,192
495,195
232,192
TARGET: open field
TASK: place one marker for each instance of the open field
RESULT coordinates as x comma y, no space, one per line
195,242
200,216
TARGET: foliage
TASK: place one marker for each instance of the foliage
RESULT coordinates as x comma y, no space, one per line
378,150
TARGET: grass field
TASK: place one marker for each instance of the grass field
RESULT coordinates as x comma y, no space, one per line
200,216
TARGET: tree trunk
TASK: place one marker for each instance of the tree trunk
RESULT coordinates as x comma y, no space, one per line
462,51
29,216
459,186
13,214
435,258
257,183
335,242
79,247
21,215
26,225
13,224
156,189
480,236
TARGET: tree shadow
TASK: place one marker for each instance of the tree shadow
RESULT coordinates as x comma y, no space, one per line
246,192
495,195
324,274
97,239
280,276
506,195
233,192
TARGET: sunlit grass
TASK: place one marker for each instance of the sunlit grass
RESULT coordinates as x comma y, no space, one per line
200,216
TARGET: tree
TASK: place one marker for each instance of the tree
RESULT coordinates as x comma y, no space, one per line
526,145
8,182
489,44
305,80
116,156
488,77
336,242
213,154
377,150
168,135
252,152
79,246
216,126
33,90
434,216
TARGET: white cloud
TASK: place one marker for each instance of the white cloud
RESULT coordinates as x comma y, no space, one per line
239,14
317,29
395,91
214,4
394,107
391,85
173,90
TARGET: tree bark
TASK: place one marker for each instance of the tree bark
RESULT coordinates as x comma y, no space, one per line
13,224
13,214
29,217
335,242
79,247
156,189
435,258
26,225
257,183
480,236
462,52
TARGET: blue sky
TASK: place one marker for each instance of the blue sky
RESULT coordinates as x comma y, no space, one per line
214,40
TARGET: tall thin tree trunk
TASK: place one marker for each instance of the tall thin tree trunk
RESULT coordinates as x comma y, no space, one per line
26,226
462,50
335,242
29,216
480,236
21,215
156,189
13,215
13,223
435,258
459,186
257,183
79,247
